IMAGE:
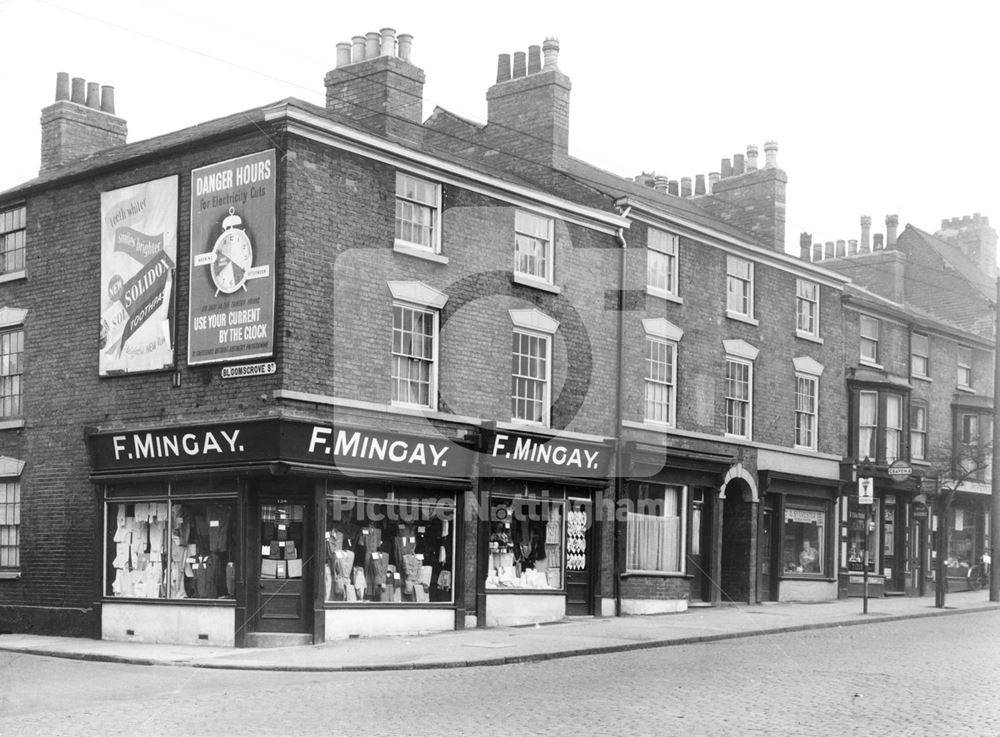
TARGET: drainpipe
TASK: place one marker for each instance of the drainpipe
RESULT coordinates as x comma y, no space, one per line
619,404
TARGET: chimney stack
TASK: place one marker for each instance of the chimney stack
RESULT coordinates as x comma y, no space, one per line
377,87
751,198
79,123
974,237
528,114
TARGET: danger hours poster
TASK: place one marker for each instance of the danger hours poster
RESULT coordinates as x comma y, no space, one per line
138,275
231,315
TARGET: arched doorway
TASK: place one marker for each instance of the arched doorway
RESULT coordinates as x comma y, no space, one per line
739,532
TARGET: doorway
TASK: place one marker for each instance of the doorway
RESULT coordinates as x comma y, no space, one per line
697,557
283,570
766,554
579,557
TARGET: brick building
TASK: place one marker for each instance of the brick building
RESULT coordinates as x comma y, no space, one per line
351,372
919,341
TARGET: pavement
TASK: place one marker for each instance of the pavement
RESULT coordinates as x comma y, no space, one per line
505,646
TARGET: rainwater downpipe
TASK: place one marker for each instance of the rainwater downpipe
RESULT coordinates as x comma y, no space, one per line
619,411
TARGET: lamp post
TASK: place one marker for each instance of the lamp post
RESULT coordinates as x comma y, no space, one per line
866,496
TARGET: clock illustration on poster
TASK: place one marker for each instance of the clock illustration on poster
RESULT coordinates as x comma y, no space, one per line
232,256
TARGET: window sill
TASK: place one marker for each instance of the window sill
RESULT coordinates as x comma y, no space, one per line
414,407
551,592
11,575
919,377
536,283
806,448
654,574
528,423
169,602
920,462
662,294
736,437
741,318
13,276
808,336
965,389
791,576
408,249
870,364
12,424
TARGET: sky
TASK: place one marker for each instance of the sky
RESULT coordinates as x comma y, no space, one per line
877,107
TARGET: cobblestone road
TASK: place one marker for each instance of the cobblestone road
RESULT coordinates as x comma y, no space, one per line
935,676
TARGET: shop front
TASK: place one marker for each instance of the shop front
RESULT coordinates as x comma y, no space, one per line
278,531
797,538
967,523
543,523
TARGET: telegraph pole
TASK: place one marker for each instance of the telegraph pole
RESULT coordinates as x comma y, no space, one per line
995,488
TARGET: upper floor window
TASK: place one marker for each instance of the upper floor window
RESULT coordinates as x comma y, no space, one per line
807,308
739,399
533,251
10,523
963,357
531,366
13,225
918,432
11,373
415,315
661,263
805,411
893,427
418,212
869,338
739,287
867,424
919,355
661,380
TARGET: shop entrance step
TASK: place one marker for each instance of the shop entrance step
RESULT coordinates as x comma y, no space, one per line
278,639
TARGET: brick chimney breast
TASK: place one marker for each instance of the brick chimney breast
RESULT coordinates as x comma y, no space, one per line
79,123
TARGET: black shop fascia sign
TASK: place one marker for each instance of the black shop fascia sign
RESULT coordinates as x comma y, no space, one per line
516,453
258,443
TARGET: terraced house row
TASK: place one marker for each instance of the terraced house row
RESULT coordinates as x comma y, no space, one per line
305,373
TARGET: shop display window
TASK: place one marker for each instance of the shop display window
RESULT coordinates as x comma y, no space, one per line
168,548
526,544
389,551
804,541
961,542
856,520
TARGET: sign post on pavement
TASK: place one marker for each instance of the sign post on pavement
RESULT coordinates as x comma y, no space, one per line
866,495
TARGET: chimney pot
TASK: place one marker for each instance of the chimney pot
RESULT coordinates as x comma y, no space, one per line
108,99
673,187
738,165
805,246
520,66
828,250
852,247
727,169
866,227
752,157
817,251
372,43
503,68
405,41
770,154
550,51
713,179
534,59
62,86
685,186
661,184
891,223
357,48
841,249
94,95
699,184
343,54
79,95
877,242
388,47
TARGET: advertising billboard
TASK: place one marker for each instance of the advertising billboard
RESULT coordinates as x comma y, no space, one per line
231,315
138,276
